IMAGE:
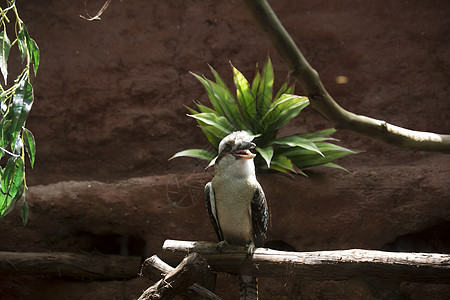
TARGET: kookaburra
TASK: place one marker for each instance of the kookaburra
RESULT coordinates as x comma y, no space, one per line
235,201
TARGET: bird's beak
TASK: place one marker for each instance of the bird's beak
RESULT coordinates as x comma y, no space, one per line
211,163
243,151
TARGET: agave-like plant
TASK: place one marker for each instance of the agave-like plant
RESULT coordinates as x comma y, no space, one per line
256,109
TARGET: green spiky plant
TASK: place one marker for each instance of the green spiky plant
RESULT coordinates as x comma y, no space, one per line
256,109
15,140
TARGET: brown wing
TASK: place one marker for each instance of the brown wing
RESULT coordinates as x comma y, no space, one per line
210,202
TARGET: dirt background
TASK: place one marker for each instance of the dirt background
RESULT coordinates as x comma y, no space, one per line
109,112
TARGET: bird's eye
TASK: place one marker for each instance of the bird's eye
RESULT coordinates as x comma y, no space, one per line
227,147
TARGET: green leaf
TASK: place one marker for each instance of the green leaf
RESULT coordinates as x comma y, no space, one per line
255,83
215,131
4,53
27,46
284,109
30,145
196,153
19,172
25,211
12,184
213,98
329,147
218,122
244,95
285,165
8,175
283,162
265,90
226,100
222,101
215,135
296,141
279,169
22,43
305,161
288,115
5,131
21,106
191,110
35,55
290,90
336,166
324,147
219,80
15,193
328,131
280,105
203,108
212,138
317,137
281,91
266,153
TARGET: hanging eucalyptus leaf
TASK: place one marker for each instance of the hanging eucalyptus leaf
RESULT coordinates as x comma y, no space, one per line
16,141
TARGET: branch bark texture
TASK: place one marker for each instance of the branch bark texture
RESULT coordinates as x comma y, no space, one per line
193,268
318,265
322,101
80,266
153,267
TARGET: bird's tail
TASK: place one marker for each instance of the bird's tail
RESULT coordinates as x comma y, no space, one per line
248,286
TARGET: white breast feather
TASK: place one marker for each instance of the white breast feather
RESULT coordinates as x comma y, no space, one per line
234,191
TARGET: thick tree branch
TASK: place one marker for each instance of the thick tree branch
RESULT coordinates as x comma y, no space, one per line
80,266
193,268
322,101
153,267
319,265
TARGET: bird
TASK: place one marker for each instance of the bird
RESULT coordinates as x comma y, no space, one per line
236,203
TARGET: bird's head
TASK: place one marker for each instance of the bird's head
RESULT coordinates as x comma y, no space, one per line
234,149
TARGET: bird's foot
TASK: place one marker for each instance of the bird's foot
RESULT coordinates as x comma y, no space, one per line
221,244
250,249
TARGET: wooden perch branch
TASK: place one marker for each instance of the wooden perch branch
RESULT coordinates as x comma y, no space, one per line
154,267
319,265
322,101
80,266
192,269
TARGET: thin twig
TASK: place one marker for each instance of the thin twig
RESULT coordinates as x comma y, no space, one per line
10,153
99,13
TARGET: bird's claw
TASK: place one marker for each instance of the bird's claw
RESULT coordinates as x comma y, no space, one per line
250,249
221,244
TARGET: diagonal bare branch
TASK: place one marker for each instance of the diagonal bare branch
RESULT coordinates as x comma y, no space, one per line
322,101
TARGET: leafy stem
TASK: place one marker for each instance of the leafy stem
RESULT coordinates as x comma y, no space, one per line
16,140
